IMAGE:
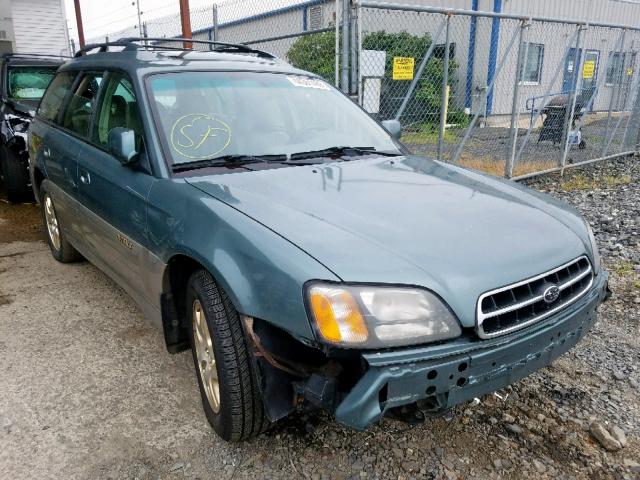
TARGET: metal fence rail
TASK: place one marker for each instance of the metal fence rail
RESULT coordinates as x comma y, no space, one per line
506,93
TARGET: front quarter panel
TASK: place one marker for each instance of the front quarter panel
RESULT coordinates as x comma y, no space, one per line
262,272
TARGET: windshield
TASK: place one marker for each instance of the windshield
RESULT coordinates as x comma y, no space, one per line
206,115
29,83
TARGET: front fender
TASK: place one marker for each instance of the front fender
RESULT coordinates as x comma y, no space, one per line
262,272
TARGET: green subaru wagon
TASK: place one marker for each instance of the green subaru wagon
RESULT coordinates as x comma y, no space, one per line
263,220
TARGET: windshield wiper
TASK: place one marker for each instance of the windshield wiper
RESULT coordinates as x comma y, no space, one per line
341,152
234,159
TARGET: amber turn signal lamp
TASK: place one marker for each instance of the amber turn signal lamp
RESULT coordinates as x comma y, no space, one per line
337,316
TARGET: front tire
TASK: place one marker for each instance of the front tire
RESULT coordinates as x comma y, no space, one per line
60,247
15,172
228,384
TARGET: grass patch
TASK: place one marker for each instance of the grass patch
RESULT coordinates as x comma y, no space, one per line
427,136
492,167
583,182
623,268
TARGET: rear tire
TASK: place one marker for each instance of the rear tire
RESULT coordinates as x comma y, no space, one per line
221,355
15,172
60,247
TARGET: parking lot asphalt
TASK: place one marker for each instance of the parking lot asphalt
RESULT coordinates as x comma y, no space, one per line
87,389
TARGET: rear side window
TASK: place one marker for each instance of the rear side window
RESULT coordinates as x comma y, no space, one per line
77,115
53,98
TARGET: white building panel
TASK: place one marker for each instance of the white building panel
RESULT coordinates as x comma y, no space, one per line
40,26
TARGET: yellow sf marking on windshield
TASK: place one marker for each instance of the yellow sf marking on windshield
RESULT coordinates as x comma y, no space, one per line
199,135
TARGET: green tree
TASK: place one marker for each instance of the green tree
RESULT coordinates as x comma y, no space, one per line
316,53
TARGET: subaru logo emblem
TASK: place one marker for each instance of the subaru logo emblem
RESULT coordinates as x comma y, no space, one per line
551,293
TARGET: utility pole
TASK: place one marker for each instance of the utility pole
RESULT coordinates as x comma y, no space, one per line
137,3
79,23
185,21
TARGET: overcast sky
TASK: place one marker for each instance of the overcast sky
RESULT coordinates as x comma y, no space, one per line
101,17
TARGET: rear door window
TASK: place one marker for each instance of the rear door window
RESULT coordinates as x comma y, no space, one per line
54,97
77,115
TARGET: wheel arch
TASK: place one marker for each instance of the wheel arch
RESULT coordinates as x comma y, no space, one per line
179,269
36,181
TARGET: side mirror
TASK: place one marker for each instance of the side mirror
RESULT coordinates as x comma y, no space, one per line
393,127
122,145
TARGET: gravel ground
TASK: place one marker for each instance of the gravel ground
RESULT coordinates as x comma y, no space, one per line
88,390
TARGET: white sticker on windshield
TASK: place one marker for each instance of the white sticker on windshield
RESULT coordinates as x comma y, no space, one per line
307,82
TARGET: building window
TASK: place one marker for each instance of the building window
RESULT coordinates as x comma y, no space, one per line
532,64
620,67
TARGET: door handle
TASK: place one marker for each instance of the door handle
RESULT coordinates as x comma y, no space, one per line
46,153
85,178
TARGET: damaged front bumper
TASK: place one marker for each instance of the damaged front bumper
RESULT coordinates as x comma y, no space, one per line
451,373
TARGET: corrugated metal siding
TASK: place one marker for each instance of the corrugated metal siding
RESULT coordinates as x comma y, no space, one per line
620,12
6,39
40,26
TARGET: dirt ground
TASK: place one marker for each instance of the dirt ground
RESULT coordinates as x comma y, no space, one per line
87,389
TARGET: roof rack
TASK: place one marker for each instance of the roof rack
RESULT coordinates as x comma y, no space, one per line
34,55
133,43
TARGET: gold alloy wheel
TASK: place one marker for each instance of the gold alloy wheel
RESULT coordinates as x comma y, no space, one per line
52,222
205,356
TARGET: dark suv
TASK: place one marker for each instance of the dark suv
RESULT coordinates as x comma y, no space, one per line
261,218
23,80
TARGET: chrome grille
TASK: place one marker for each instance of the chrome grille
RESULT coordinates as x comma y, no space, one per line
518,305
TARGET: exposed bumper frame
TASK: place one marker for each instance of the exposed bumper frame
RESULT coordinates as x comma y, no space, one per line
448,375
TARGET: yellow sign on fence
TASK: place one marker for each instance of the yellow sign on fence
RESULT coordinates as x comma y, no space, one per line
589,69
403,68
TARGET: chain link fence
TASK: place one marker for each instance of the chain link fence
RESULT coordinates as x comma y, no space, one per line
294,30
504,93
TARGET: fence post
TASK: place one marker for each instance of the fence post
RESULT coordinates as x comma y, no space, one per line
568,123
354,50
337,43
213,31
614,91
421,67
523,50
344,78
359,87
445,83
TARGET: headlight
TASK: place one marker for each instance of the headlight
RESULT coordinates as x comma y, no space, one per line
594,249
372,317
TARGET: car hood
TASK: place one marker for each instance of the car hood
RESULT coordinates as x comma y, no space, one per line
409,220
